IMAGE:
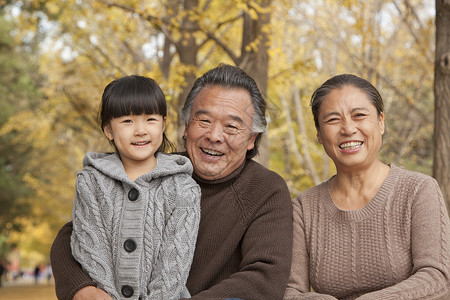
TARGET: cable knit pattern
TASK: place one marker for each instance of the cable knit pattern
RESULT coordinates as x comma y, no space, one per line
396,247
139,234
244,243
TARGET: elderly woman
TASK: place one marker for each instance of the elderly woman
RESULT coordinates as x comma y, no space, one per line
372,231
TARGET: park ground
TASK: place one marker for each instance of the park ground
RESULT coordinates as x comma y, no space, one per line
27,289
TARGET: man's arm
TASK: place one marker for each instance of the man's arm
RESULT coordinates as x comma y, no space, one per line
266,249
69,276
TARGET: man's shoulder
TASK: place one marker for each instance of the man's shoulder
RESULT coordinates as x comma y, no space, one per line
256,171
257,180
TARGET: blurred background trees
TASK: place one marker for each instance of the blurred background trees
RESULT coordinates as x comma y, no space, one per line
57,56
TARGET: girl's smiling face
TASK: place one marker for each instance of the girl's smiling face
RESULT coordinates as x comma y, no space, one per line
350,128
137,138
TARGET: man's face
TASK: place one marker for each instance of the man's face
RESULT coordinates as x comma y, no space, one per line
219,132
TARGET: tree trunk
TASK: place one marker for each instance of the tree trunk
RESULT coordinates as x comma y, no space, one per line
254,58
187,50
441,162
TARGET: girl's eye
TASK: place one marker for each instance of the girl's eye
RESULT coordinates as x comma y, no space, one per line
126,121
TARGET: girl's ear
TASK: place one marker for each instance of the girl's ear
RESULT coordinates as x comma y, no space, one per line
164,124
108,132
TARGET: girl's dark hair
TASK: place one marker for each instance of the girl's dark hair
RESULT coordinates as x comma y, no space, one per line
134,95
338,82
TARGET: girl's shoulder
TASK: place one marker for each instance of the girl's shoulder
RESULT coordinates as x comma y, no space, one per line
172,164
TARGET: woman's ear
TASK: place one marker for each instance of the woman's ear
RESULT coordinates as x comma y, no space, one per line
319,136
108,132
381,121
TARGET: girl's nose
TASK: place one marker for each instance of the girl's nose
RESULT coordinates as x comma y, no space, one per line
139,129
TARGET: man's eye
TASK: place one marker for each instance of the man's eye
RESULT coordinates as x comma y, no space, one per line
231,129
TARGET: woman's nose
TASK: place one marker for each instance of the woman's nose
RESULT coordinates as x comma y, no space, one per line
348,128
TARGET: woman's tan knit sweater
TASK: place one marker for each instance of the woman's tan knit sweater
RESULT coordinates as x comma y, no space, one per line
396,247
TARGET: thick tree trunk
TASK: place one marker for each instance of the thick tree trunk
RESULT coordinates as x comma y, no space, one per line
254,58
441,163
187,50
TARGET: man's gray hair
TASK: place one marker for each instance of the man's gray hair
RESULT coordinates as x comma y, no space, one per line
231,77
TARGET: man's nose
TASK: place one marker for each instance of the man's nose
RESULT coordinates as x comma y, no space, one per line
216,133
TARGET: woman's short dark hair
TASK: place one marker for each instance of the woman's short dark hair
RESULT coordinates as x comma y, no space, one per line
231,77
133,95
338,82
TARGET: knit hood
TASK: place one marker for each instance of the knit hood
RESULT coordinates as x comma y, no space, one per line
111,165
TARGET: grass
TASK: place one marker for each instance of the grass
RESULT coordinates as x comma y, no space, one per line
27,292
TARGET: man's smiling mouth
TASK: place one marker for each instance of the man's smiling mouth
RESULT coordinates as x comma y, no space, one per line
211,152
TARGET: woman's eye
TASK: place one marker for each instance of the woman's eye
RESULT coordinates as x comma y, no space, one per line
332,120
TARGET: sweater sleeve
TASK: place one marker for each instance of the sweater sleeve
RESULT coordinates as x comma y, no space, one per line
430,247
266,249
174,260
90,241
68,274
298,286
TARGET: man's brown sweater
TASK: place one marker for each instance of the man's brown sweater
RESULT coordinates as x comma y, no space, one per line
244,243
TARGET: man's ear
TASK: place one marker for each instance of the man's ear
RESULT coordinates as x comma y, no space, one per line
185,132
251,143
108,132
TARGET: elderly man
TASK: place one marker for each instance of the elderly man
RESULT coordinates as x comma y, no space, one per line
244,243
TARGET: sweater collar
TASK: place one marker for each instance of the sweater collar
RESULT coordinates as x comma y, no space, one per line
229,177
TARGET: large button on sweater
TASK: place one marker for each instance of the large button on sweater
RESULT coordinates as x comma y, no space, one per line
127,291
133,194
129,245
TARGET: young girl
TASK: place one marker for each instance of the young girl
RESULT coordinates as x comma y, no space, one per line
136,211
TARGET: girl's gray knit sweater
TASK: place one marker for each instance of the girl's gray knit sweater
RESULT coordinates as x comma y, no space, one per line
136,239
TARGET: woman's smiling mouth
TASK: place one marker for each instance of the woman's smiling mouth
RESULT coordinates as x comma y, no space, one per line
350,145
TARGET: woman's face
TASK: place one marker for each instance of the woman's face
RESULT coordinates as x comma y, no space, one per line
350,129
